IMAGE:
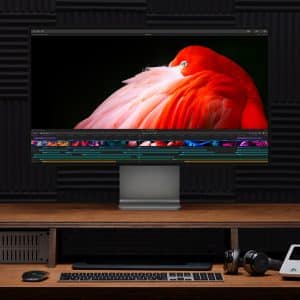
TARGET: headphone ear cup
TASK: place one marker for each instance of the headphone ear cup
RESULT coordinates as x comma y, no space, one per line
231,261
247,261
256,263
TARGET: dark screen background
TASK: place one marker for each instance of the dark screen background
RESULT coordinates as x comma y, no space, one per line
71,76
295,254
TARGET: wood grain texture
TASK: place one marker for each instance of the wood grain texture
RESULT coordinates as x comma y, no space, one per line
59,215
234,238
10,276
52,247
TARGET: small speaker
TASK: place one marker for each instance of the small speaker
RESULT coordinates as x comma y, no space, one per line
23,247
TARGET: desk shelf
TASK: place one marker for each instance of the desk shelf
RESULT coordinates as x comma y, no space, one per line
53,216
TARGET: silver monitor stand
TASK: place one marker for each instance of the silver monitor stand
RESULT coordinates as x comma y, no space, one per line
149,187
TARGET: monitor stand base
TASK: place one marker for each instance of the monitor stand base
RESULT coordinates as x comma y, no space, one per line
149,187
130,204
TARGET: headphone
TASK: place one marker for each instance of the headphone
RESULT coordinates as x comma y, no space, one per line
255,263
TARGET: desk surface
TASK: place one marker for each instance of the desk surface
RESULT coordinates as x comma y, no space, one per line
60,215
10,277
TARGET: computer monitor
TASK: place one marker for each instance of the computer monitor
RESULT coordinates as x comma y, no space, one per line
149,101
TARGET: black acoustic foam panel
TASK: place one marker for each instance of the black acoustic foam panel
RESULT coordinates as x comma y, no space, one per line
277,182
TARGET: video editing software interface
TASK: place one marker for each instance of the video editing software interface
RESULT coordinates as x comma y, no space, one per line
140,96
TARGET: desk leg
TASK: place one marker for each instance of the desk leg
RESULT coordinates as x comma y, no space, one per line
234,238
52,248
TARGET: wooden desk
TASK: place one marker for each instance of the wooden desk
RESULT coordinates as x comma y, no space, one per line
72,215
53,216
10,276
234,287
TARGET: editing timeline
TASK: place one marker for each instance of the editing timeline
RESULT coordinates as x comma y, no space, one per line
126,146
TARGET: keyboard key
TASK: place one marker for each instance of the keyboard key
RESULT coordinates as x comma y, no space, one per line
219,276
210,276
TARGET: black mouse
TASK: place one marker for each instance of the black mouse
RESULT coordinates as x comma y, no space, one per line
35,276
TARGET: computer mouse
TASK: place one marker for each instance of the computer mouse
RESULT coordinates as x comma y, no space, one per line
35,276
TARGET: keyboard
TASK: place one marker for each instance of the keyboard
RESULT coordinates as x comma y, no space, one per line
140,276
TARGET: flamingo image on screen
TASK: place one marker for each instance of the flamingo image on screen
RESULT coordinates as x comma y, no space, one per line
199,89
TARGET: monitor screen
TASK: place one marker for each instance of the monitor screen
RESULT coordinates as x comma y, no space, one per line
149,96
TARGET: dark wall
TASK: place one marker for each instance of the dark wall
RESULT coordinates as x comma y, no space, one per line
277,182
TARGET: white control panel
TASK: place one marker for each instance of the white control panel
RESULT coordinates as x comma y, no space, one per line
291,263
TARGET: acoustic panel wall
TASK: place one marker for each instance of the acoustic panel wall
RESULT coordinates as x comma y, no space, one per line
190,13
97,184
101,13
28,6
279,180
20,180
